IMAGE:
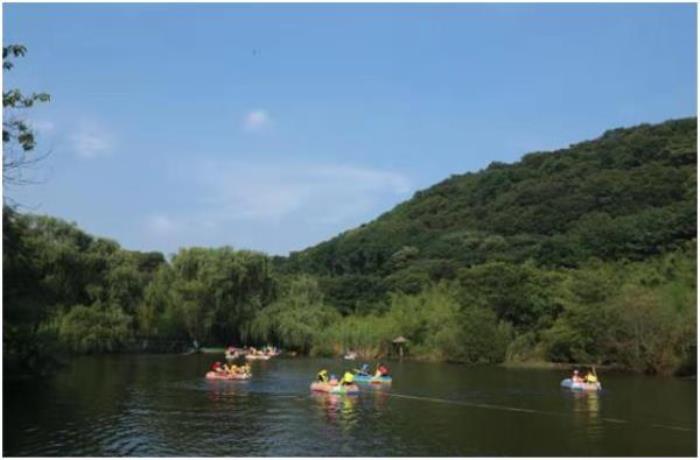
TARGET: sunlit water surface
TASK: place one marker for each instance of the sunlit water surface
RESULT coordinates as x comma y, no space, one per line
159,405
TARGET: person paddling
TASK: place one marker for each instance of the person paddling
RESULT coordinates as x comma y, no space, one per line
232,369
364,370
216,367
576,378
322,376
348,378
591,376
382,371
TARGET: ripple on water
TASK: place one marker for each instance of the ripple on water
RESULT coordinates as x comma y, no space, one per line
142,412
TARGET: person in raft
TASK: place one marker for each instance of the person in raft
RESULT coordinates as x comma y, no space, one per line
591,377
216,367
382,371
347,378
322,376
364,370
576,378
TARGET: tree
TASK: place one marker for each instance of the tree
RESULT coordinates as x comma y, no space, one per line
18,138
296,318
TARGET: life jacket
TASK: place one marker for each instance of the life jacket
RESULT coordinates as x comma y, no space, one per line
348,378
591,378
323,376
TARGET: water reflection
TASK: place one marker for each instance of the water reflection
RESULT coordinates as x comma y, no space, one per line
338,409
586,409
380,397
220,391
163,406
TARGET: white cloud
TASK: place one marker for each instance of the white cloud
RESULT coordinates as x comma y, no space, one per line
91,141
275,205
256,120
277,190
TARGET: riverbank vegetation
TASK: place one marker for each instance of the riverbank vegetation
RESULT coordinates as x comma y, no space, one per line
586,254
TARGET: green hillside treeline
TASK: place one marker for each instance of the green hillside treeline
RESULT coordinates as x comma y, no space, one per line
586,254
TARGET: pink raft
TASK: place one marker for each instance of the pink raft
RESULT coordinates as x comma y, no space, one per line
335,388
211,375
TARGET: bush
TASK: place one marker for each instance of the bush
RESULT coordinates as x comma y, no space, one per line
526,347
370,336
474,338
650,336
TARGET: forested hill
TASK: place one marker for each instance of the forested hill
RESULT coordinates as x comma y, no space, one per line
586,254
628,194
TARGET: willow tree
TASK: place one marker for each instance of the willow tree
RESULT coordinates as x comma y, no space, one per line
296,318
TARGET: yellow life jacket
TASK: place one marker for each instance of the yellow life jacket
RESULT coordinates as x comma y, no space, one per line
591,378
348,377
323,376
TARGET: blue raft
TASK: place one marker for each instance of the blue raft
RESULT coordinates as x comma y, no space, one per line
581,386
364,378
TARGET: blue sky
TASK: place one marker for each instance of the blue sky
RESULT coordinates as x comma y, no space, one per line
274,127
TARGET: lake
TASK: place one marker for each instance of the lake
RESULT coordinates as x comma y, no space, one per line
160,405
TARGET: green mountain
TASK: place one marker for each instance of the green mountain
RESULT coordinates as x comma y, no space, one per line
585,254
630,194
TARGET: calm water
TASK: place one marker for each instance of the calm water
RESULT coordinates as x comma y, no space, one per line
161,405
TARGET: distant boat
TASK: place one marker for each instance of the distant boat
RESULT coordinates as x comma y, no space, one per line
351,355
256,356
581,386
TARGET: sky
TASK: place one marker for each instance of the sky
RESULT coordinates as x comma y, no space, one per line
275,127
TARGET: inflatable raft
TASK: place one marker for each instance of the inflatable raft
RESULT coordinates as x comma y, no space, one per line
372,379
211,375
254,357
335,389
581,386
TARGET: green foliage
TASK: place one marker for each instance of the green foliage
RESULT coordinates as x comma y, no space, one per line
519,294
629,194
370,336
152,314
95,328
213,294
640,316
556,257
580,255
439,327
32,350
296,318
51,265
15,129
354,294
649,335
